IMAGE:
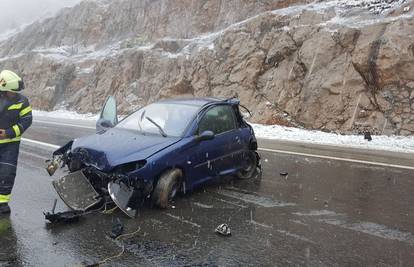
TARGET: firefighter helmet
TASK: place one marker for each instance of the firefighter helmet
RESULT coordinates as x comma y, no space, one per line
10,81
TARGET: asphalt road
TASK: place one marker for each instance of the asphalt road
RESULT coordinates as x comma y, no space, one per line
336,207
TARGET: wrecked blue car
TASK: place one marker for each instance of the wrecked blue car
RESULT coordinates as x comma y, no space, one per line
164,148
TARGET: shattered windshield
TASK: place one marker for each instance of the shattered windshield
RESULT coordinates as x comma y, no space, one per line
158,118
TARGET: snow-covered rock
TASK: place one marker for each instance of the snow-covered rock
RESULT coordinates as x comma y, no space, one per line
335,65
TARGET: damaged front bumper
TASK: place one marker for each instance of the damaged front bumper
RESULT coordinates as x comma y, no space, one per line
86,186
76,191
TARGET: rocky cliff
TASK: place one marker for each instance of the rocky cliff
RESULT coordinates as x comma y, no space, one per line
332,65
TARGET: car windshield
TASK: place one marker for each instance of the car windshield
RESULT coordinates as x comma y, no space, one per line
161,118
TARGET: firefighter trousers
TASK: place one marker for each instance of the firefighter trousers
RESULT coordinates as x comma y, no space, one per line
9,154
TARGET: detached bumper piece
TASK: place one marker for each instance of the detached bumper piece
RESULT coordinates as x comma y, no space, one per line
77,192
64,217
123,196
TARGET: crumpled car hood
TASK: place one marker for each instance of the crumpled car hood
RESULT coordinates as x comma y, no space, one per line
118,146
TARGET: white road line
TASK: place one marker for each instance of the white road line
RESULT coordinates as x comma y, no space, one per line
40,143
260,149
33,155
65,124
337,158
181,219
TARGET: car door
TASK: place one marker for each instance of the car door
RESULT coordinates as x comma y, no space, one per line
109,115
216,156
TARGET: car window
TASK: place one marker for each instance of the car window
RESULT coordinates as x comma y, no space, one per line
173,119
218,119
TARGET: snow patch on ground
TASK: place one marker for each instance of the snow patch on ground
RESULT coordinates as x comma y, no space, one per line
373,229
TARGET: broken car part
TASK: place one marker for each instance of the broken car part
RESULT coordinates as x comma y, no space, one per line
63,217
223,229
117,229
76,191
52,167
122,194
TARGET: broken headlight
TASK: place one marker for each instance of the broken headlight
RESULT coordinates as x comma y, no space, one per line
130,167
52,166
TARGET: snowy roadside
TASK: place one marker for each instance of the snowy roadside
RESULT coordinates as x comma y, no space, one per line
64,114
403,144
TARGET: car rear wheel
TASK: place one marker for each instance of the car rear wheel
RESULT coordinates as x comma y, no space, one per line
250,167
167,188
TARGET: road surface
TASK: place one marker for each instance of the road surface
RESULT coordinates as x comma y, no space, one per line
336,207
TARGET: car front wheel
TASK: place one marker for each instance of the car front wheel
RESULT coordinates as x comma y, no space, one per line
167,188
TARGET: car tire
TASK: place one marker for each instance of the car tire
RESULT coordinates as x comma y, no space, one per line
252,167
167,188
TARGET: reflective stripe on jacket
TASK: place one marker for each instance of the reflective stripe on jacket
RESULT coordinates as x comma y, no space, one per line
4,198
15,117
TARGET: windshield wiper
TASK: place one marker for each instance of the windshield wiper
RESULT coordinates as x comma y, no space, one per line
158,126
139,124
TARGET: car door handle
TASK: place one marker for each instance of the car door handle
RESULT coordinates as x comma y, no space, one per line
237,139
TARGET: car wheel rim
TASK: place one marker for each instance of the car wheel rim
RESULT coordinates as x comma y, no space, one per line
250,168
173,192
250,163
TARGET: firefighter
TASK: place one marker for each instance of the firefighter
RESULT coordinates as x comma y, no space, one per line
15,118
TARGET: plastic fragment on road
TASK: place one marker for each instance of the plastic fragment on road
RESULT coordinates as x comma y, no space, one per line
223,229
117,229
63,217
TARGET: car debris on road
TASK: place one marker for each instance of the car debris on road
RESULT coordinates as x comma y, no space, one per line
223,229
117,229
62,217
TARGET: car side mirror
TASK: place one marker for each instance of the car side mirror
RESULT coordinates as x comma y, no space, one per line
103,124
205,136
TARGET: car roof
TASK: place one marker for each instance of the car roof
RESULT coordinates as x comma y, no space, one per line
199,102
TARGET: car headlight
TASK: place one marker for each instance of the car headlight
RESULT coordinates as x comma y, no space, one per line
130,166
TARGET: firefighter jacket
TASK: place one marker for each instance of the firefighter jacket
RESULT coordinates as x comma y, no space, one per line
15,117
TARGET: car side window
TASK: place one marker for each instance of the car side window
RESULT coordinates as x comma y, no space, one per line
218,119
